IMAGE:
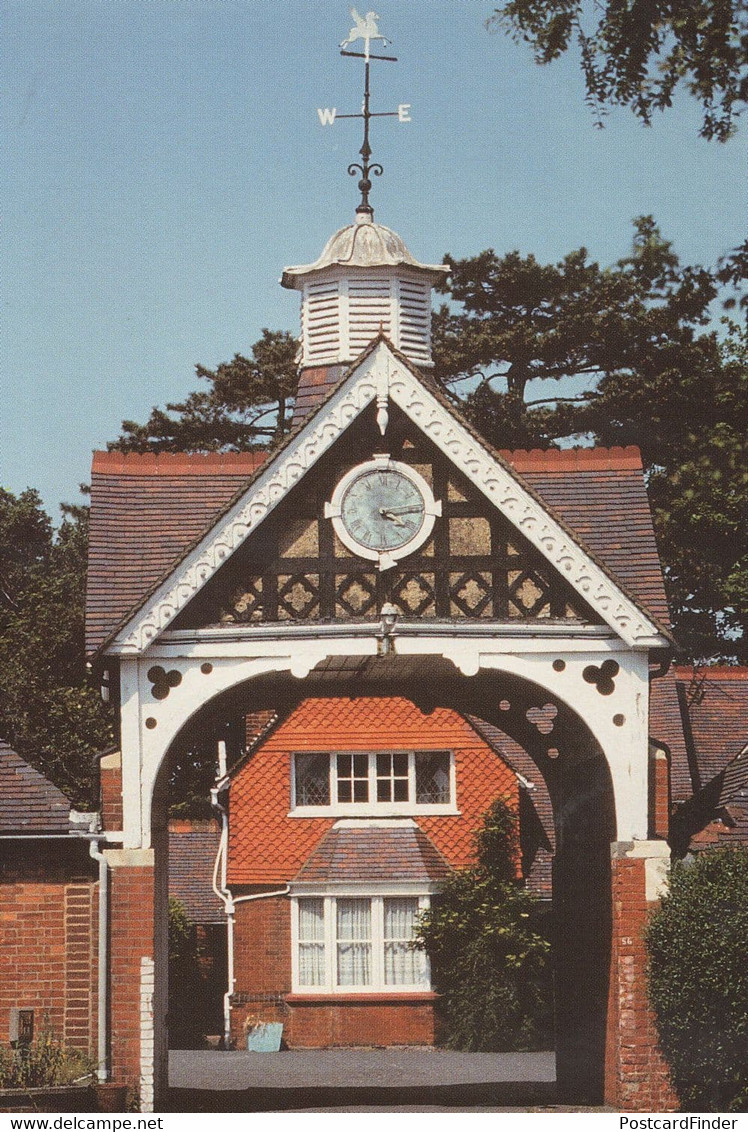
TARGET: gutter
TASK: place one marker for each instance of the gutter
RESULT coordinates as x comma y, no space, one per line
114,838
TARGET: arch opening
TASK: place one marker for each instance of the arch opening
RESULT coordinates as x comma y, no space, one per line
567,757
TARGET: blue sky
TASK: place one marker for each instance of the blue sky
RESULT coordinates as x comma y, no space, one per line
164,161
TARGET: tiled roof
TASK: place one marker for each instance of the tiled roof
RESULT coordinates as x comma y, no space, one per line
192,853
715,708
315,385
148,511
717,702
268,847
374,852
600,494
724,815
735,781
29,803
729,830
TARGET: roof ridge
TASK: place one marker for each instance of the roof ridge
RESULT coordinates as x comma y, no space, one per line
712,672
177,463
614,459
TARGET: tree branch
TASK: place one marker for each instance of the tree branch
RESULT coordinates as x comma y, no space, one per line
558,400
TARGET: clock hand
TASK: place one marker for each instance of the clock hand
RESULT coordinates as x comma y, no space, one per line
402,511
391,515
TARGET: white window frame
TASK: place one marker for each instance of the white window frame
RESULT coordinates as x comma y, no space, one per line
378,987
374,808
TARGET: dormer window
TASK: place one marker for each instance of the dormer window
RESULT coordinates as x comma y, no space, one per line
372,782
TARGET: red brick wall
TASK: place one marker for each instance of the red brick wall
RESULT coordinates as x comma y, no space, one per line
262,946
132,934
409,1021
659,795
262,957
268,847
636,1078
48,918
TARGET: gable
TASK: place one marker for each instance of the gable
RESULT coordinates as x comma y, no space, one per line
474,565
387,379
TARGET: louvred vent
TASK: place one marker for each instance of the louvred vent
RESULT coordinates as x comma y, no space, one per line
415,319
369,308
321,314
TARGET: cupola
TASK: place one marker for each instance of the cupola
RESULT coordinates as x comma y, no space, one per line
365,282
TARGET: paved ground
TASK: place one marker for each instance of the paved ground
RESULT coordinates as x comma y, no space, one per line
360,1080
353,1068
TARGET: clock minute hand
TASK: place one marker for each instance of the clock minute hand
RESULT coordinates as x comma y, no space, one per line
402,510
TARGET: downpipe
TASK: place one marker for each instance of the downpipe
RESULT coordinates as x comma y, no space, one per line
223,892
102,1067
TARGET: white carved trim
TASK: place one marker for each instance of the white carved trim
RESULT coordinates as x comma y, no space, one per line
497,483
271,487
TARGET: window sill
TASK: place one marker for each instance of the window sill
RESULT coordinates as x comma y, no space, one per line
308,998
364,810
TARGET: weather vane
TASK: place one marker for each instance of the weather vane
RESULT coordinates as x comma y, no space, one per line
365,28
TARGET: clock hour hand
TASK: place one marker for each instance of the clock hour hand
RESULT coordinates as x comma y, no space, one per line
386,514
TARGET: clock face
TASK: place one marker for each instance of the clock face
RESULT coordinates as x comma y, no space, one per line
383,510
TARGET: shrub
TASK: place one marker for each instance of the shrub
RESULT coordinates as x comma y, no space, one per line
486,957
187,985
698,980
42,1064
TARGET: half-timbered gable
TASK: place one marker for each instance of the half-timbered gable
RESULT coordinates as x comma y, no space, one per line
474,565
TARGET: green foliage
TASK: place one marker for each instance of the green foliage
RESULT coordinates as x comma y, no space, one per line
636,54
632,335
486,957
187,984
246,405
521,320
698,980
49,711
43,1064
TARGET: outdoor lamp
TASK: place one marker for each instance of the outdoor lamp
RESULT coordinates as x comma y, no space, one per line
390,614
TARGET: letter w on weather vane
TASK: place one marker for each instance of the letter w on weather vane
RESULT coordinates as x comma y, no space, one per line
366,29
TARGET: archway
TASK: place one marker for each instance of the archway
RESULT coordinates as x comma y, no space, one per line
566,753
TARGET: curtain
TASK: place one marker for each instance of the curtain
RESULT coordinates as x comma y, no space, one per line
402,966
354,942
312,943
432,777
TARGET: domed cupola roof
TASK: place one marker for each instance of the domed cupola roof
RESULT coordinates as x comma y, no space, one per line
365,282
363,244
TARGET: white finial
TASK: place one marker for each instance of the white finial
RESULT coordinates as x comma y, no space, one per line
364,27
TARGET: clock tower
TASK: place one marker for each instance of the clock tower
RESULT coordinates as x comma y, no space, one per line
365,282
